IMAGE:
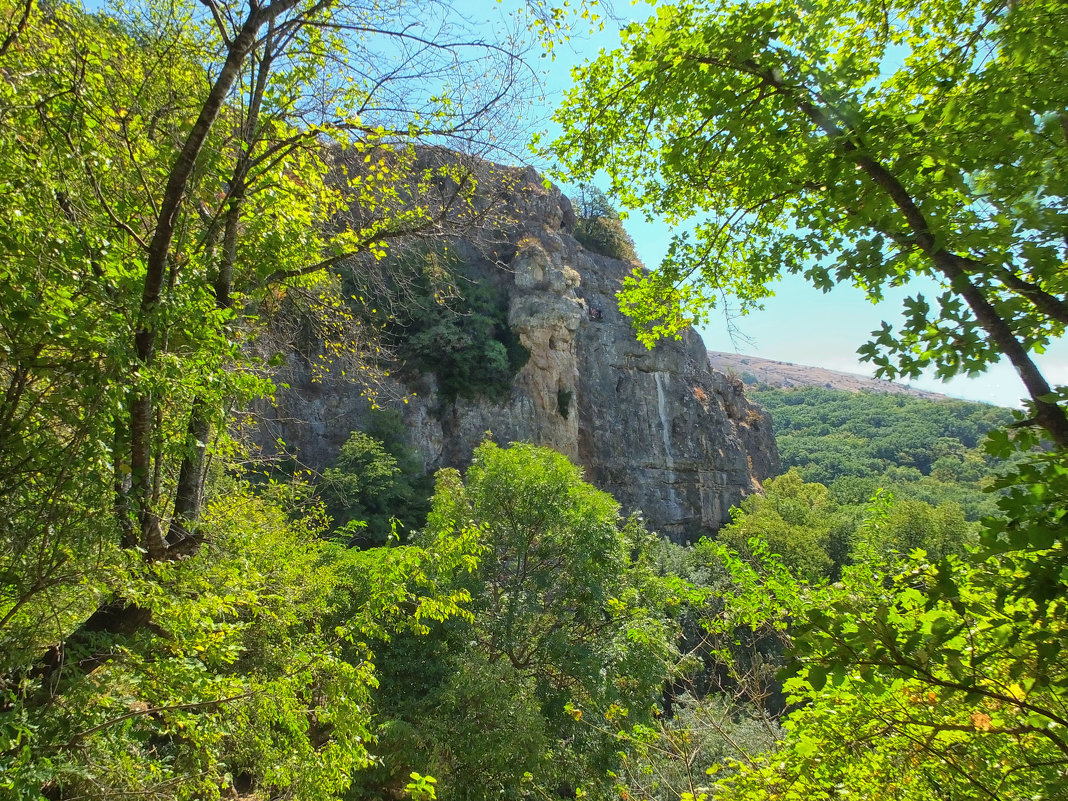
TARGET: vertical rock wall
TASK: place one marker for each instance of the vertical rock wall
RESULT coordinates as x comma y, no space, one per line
659,430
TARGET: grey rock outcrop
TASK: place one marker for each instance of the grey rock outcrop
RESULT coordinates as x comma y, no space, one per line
658,429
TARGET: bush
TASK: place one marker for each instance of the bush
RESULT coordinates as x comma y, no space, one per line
599,227
460,334
377,478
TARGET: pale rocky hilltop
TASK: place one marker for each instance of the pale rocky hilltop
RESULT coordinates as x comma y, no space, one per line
787,375
660,430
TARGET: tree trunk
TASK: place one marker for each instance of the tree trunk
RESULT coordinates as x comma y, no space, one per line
188,495
1048,415
141,407
955,268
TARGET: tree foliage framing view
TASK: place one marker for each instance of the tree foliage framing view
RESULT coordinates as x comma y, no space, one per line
172,173
873,144
865,143
174,624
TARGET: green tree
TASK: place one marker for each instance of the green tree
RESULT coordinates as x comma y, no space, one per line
939,531
558,561
362,485
850,142
598,226
171,176
801,522
568,623
254,675
377,478
909,681
814,535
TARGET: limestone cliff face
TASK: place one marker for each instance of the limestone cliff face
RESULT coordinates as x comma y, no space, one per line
659,430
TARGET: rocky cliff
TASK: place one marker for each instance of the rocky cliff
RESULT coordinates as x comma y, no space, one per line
659,430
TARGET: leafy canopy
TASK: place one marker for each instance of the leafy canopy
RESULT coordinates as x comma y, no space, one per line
868,143
566,616
908,681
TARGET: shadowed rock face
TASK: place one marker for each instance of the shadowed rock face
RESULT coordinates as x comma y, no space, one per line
660,430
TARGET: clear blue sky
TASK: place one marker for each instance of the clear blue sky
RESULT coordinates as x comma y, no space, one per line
800,324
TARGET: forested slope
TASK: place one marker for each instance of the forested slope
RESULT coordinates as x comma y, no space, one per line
855,443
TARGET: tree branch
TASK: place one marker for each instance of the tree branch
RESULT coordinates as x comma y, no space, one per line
1050,305
955,268
20,26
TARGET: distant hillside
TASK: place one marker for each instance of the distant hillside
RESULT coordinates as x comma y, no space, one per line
787,375
921,449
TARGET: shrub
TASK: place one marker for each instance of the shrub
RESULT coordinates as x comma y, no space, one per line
598,226
458,331
377,478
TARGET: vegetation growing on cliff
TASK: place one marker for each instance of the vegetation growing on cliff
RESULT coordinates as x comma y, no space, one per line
598,226
465,341
441,316
171,630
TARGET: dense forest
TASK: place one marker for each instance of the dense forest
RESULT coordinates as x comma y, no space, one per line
191,193
919,449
